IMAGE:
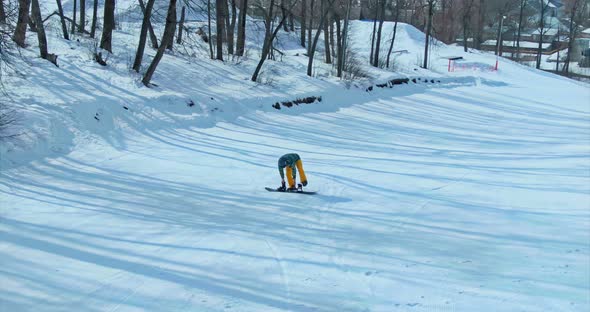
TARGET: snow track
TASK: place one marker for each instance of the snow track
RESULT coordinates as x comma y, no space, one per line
452,199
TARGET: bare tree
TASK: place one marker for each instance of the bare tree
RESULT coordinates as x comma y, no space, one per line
153,38
170,45
310,26
242,28
373,34
303,21
338,44
523,4
447,27
291,18
231,26
220,22
82,16
2,13
344,45
269,35
36,12
109,25
74,12
286,15
481,19
64,27
94,14
542,12
397,11
500,9
430,4
327,36
143,35
577,14
209,28
166,38
379,31
23,20
181,26
312,50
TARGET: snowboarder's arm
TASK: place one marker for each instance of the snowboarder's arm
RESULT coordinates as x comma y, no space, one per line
281,172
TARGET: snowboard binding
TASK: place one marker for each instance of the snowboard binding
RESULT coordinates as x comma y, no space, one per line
283,188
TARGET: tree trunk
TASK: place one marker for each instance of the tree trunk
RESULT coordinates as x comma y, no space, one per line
520,16
231,27
342,61
242,29
166,38
82,16
268,39
339,52
209,29
327,38
373,35
2,13
397,10
64,26
75,11
36,12
572,37
558,49
94,14
21,25
379,31
285,16
333,17
153,37
181,26
220,22
170,44
303,21
466,19
465,26
428,28
316,37
310,26
541,31
143,35
480,24
109,24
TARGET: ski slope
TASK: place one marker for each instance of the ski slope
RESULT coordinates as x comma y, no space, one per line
472,194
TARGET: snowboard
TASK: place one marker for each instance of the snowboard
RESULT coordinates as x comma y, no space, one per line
295,192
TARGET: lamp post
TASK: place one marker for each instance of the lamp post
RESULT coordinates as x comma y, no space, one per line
499,41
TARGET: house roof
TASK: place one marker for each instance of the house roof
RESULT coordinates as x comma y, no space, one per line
523,44
546,31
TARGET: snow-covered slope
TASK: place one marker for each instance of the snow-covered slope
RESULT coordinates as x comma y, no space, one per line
472,194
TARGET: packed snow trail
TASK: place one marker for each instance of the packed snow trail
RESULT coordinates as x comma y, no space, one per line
455,199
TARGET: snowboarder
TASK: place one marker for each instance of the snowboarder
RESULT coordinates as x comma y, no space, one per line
292,163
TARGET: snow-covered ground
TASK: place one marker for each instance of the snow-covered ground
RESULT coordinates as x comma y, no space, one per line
468,194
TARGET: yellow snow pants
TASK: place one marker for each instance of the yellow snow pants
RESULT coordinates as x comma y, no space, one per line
291,175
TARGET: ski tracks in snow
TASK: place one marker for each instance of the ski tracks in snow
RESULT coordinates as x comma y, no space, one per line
284,273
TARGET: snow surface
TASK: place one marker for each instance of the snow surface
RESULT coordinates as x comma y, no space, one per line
472,194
